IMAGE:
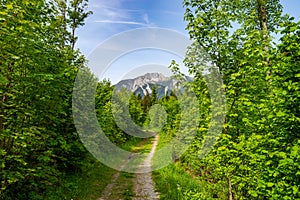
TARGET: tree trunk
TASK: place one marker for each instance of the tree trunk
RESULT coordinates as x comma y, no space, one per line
262,15
230,189
2,113
263,21
73,39
74,25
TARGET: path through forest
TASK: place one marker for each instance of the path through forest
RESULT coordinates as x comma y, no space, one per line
141,183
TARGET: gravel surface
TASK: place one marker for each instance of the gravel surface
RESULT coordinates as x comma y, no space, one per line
143,185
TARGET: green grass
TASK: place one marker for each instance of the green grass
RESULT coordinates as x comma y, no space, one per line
164,139
85,185
174,182
143,148
131,144
125,181
128,190
89,183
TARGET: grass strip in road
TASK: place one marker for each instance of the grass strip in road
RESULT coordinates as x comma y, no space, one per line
121,187
90,182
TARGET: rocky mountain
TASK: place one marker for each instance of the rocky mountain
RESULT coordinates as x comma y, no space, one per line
143,84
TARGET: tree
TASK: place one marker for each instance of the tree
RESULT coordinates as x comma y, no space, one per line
154,97
72,15
243,57
136,110
146,102
77,15
38,141
109,111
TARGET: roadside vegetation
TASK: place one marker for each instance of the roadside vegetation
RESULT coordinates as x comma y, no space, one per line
255,154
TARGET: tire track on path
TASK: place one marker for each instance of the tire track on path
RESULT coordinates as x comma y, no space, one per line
143,187
143,183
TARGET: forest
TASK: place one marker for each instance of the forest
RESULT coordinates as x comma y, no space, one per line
255,49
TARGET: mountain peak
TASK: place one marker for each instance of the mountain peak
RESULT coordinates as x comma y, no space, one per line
154,75
144,84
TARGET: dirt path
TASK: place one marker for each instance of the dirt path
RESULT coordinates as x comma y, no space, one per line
143,183
140,183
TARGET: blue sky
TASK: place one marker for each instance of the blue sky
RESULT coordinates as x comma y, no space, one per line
115,16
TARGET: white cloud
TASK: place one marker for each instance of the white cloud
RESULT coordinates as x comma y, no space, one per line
112,12
121,22
172,13
146,18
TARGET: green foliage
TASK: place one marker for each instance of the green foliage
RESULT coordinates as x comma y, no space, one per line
106,119
254,152
257,154
171,106
88,183
174,183
38,141
177,181
157,118
136,109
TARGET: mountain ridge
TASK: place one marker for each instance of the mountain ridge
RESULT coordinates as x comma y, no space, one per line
144,84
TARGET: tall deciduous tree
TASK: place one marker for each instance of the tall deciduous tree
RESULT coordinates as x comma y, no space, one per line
72,15
38,142
238,37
